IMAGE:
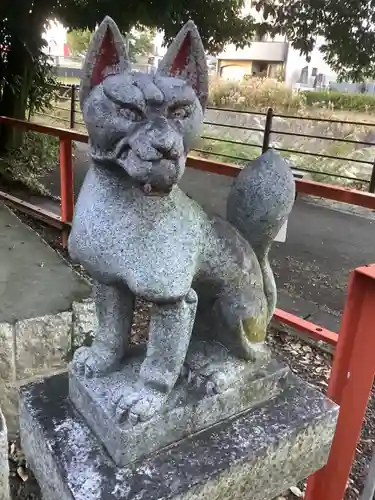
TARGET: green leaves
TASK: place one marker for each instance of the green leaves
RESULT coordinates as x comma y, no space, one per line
219,21
141,44
78,41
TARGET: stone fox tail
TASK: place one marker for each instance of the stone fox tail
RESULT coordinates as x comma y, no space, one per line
259,203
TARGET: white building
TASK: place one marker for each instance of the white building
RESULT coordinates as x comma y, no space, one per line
274,58
159,50
299,71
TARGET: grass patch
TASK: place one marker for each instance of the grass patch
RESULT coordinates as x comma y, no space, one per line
24,166
255,94
364,103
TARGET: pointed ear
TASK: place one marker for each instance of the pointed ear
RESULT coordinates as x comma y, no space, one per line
185,58
106,55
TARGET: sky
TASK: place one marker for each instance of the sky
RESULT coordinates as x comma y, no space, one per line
55,36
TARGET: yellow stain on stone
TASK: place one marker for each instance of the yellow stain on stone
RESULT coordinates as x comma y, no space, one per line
254,329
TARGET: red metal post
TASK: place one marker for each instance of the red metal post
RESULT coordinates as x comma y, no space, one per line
66,186
350,384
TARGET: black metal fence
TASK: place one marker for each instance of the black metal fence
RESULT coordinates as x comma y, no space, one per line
348,159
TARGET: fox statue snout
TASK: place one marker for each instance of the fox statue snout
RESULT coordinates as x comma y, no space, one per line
156,156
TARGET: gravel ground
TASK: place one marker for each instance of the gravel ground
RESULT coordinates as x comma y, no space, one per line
310,363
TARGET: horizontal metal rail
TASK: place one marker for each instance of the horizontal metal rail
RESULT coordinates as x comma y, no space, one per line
301,169
330,174
230,157
322,155
52,117
229,141
326,120
324,138
308,187
316,332
239,127
54,106
34,211
240,111
62,133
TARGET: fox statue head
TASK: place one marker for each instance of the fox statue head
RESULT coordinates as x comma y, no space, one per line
144,123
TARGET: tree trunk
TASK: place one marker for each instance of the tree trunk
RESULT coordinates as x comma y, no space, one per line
13,103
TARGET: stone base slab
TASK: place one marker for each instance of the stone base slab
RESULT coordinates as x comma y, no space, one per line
189,408
4,465
256,455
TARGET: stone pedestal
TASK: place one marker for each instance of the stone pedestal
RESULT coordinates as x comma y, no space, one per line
255,454
4,466
191,407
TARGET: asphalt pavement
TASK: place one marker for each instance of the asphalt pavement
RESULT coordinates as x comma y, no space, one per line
312,267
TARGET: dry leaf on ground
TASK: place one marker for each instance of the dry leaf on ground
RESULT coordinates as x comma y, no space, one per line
296,491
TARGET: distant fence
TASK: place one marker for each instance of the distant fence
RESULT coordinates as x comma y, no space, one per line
329,150
71,67
362,88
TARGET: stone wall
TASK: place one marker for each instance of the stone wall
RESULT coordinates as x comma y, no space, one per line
37,347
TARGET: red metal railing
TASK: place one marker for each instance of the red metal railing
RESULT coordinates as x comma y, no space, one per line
350,384
353,367
66,138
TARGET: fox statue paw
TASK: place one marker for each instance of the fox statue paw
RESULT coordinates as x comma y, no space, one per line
140,405
212,382
90,362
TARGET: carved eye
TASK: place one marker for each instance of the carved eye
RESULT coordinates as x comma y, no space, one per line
179,113
130,114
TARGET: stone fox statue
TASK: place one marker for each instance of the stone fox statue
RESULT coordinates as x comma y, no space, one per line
138,235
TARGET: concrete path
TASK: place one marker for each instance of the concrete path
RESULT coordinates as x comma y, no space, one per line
34,280
312,268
